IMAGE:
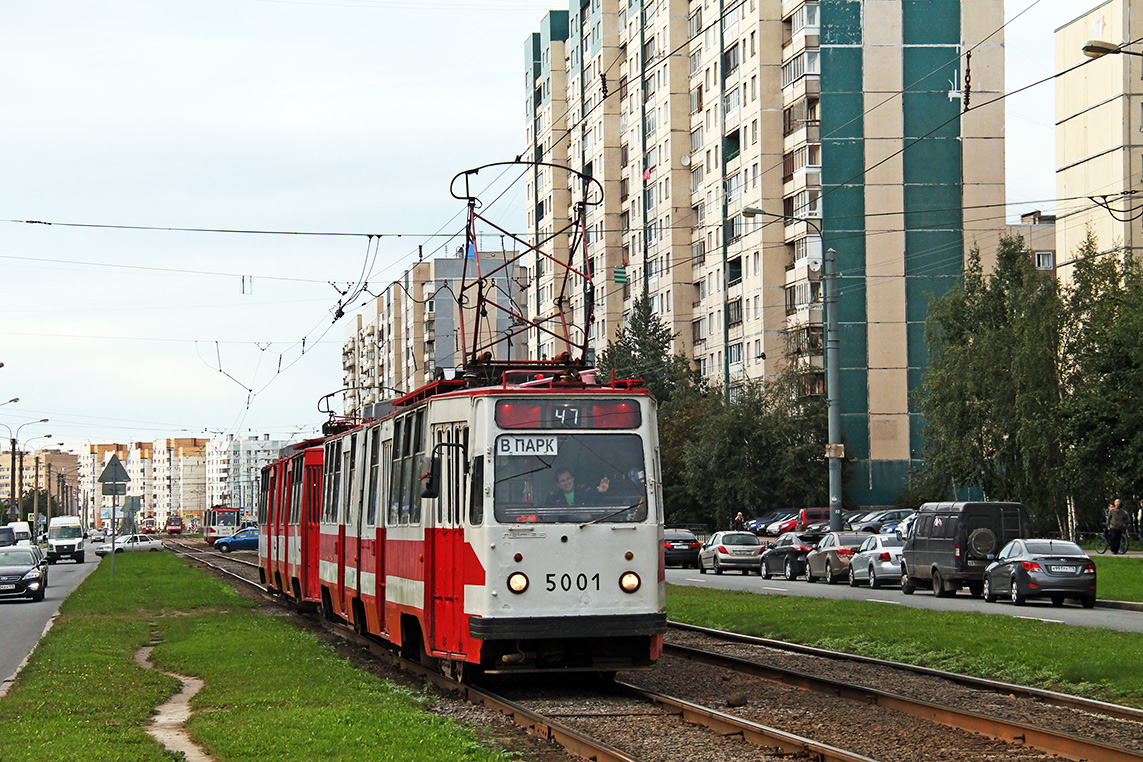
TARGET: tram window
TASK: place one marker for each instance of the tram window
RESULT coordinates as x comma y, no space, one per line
476,492
298,487
374,473
265,489
395,481
553,478
440,437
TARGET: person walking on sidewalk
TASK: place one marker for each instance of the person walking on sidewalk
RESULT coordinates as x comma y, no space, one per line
1116,525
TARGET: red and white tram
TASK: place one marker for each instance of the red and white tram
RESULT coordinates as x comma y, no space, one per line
507,520
537,547
219,521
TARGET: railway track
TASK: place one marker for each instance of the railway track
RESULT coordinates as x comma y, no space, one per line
640,718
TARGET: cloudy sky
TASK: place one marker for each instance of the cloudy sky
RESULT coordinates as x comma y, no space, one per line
265,115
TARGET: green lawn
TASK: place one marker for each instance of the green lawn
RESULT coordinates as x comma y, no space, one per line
1096,662
1120,578
272,691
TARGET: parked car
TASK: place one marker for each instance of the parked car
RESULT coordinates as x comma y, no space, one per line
131,543
807,516
830,558
23,573
680,546
877,561
951,544
874,521
787,556
891,527
731,550
774,528
758,525
822,527
1053,569
243,539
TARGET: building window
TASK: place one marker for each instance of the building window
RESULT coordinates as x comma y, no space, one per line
696,99
734,273
1045,260
734,313
734,353
730,60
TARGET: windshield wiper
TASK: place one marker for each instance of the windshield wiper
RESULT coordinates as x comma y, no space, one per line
613,514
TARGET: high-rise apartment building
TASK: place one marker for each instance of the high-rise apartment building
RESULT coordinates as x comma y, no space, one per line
234,468
1099,132
411,333
727,136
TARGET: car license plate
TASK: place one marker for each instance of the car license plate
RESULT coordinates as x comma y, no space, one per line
1063,569
680,546
7,587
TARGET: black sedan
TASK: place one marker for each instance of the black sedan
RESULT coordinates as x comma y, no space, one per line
1053,569
23,573
680,546
787,555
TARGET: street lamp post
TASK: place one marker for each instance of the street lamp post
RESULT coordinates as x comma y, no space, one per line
16,491
1099,49
835,450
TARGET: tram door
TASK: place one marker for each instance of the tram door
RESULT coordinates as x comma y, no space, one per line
346,513
447,584
311,531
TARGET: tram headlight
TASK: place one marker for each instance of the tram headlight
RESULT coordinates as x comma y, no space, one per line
630,582
517,582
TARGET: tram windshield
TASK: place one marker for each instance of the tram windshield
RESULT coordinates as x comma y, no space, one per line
553,478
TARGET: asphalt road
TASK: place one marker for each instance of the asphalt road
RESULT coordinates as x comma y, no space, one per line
1070,613
22,621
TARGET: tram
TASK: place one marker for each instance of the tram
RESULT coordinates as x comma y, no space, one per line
219,521
508,519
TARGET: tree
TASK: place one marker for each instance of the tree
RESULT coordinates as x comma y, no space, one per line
1101,416
991,394
764,448
642,349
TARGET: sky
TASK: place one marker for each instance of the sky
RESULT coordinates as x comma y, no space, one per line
135,128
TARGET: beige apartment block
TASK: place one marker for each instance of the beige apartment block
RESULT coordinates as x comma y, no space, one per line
729,137
1099,144
414,333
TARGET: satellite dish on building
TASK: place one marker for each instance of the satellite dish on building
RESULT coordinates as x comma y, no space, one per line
815,263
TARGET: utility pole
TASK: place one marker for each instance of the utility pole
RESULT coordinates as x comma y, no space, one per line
36,485
48,519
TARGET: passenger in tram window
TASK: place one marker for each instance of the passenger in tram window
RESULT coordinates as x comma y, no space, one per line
565,491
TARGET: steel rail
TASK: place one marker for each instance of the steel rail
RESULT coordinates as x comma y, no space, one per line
1021,691
1071,747
199,559
536,724
752,732
227,556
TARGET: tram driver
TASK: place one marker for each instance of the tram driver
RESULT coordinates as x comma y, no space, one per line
565,492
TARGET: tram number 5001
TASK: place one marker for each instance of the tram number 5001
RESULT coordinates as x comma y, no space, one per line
567,582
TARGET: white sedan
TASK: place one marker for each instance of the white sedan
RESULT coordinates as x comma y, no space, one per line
131,543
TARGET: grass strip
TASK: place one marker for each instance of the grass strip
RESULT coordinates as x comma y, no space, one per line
272,691
1100,663
1120,578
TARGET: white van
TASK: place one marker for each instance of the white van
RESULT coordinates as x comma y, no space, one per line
23,532
65,539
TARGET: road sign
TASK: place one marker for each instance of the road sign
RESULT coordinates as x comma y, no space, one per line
115,488
114,472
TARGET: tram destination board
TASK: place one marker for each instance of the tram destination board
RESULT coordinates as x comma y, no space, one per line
568,414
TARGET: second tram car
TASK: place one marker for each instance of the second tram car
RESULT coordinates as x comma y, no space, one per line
505,528
219,521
